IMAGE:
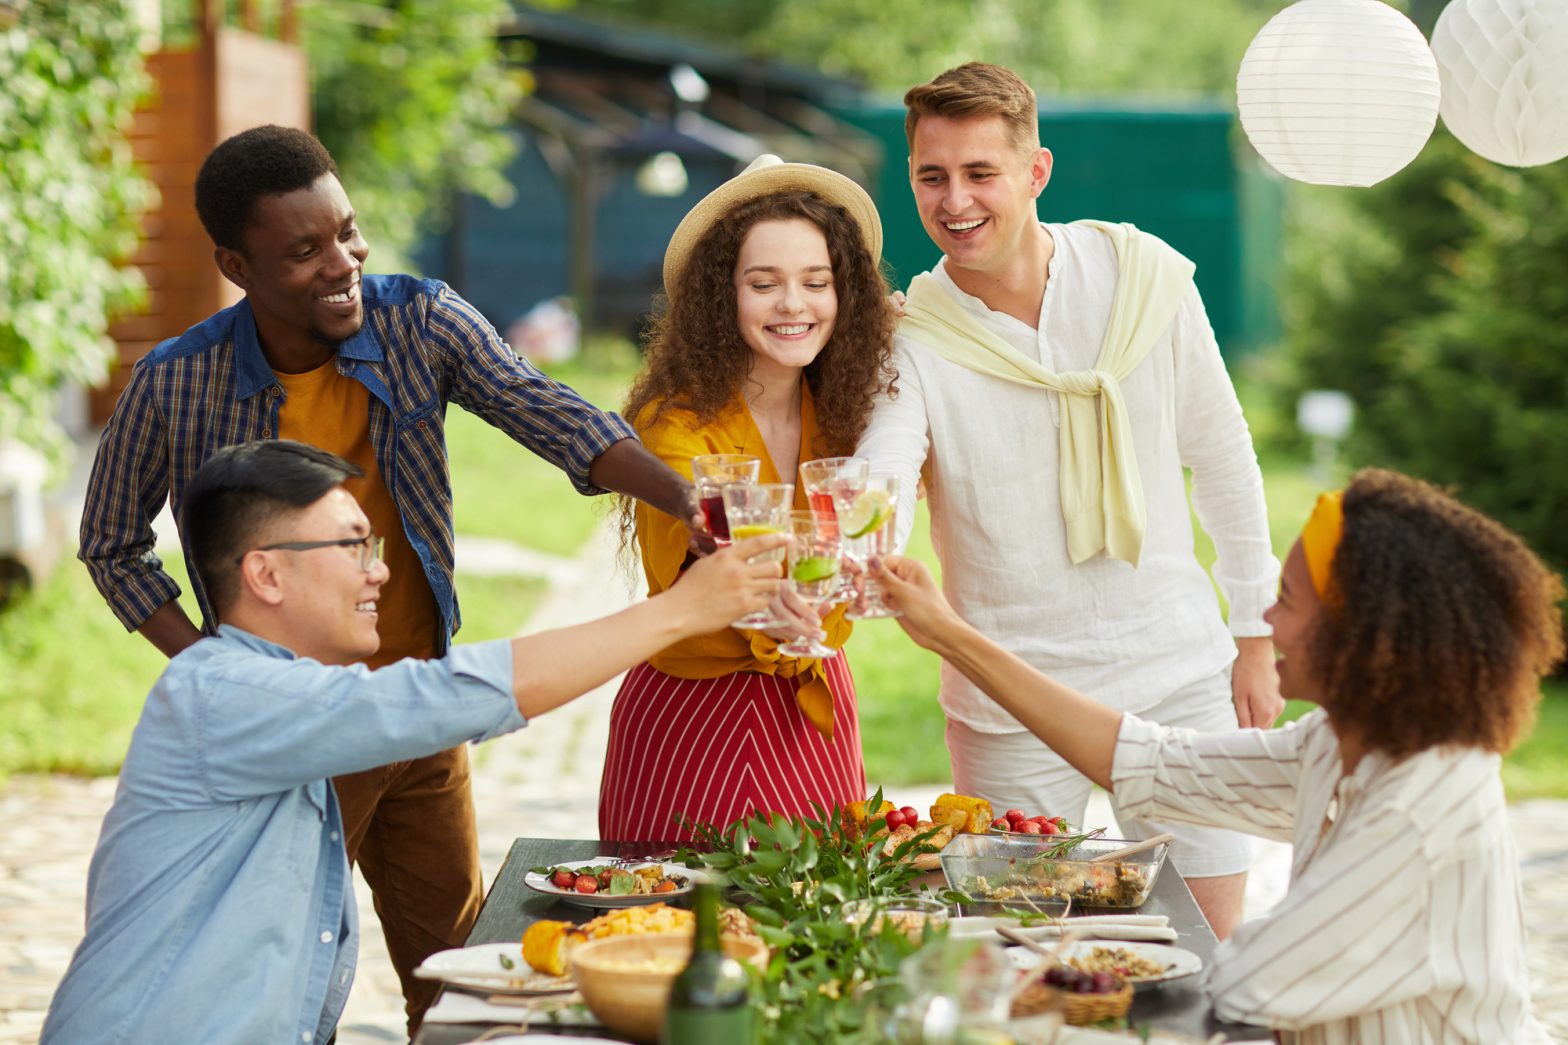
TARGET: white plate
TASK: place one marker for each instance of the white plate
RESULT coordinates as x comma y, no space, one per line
1178,962
603,901
459,966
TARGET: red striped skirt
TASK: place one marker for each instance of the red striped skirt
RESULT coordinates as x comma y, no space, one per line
715,750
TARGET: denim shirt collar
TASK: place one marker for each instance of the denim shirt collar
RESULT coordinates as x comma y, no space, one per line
256,643
255,373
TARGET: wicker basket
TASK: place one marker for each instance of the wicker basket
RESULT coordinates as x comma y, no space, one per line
1077,1009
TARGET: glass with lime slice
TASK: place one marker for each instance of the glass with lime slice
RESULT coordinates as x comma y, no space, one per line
867,520
814,555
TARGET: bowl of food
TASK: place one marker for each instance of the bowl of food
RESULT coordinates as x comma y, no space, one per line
910,915
1025,870
625,980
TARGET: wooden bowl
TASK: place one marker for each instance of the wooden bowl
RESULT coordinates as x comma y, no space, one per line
630,1000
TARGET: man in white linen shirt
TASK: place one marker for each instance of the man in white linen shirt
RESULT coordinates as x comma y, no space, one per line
1422,630
1111,600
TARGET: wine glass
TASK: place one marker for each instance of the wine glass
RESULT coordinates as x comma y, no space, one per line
812,571
825,480
754,509
867,521
711,473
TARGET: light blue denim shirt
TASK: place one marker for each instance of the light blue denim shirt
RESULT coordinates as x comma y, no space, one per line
219,903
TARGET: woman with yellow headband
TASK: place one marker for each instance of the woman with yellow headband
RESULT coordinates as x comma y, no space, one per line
1422,629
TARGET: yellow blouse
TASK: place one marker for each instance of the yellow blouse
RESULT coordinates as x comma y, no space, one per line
677,437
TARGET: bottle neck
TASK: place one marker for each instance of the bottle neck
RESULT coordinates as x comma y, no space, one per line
705,905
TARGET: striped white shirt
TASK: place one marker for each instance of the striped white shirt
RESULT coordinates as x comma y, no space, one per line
1403,922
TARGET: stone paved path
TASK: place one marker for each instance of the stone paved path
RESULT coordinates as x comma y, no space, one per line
543,781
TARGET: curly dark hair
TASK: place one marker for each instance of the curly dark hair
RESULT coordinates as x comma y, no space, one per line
696,360
1439,622
263,161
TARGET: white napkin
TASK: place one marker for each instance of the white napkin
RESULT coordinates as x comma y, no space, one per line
457,1007
1154,927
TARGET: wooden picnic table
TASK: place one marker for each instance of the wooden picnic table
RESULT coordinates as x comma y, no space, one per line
511,907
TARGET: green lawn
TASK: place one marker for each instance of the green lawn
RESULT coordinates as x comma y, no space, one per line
79,678
75,679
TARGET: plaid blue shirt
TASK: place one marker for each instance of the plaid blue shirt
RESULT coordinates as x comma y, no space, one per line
421,347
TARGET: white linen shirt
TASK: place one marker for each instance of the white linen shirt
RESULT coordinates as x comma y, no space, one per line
1128,636
1404,919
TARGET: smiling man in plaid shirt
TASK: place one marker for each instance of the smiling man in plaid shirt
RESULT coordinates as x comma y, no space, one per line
363,366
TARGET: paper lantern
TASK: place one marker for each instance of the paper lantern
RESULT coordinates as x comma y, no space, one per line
1504,67
1338,92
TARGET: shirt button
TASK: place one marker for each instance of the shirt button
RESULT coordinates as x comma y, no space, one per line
326,937
423,425
334,836
305,1036
274,391
266,433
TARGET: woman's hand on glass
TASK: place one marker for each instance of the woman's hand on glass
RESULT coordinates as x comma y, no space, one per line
802,620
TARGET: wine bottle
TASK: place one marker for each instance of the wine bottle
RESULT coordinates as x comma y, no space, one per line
710,1001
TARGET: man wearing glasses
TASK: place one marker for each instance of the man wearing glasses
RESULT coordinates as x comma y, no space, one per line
363,366
219,902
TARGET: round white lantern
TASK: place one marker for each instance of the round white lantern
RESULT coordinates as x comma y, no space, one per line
1338,92
1504,67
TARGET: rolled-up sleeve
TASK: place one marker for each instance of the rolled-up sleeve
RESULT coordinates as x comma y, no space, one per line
1227,484
1244,779
897,439
541,413
127,489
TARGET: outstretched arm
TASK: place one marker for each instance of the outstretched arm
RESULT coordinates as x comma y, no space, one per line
552,667
1079,729
630,468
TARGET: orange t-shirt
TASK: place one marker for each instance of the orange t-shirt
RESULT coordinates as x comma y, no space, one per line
326,409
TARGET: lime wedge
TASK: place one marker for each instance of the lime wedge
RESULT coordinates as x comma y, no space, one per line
814,568
868,512
740,533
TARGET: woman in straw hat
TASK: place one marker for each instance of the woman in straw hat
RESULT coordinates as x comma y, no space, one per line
1422,629
774,338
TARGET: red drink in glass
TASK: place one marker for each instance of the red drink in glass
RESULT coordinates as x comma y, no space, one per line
822,507
713,514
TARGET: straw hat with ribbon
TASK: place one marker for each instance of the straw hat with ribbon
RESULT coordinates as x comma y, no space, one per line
765,176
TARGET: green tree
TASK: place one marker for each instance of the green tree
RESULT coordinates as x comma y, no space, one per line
414,99
1062,47
69,201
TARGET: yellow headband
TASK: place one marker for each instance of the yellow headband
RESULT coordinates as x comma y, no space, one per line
1320,538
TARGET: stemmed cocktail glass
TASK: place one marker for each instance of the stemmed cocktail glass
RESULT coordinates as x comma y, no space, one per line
866,520
826,480
754,509
712,473
812,571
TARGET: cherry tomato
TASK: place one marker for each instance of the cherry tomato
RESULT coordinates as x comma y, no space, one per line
1028,827
1047,827
587,883
895,819
563,879
1060,822
1016,814
1001,823
911,815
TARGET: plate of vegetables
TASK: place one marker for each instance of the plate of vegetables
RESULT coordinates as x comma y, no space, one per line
603,884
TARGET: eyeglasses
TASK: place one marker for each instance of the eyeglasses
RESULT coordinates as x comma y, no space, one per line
369,546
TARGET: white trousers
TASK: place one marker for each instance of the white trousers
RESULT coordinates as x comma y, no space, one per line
1017,771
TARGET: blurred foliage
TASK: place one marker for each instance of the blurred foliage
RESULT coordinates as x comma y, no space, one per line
413,98
1439,301
69,201
1062,47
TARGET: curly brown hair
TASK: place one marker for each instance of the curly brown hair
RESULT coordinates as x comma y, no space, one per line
1438,625
696,360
